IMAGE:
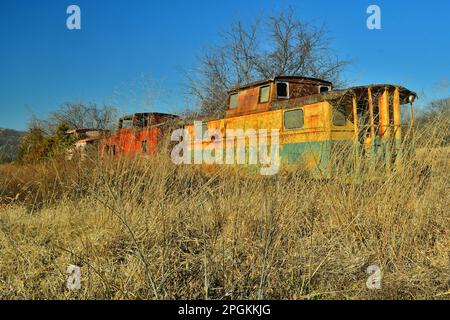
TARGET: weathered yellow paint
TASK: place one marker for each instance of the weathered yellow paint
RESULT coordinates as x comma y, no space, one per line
397,115
316,124
384,114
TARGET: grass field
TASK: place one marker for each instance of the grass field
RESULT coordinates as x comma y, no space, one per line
147,229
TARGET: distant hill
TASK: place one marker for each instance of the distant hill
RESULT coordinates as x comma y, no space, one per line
9,142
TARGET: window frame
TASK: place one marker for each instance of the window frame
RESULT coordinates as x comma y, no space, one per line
260,94
324,86
296,128
288,90
237,101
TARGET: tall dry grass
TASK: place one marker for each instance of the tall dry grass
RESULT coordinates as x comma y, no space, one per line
147,229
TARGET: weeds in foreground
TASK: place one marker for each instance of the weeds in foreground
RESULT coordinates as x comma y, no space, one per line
147,229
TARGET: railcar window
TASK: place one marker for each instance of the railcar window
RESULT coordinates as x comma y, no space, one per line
323,89
141,122
341,114
144,146
127,123
264,93
283,90
294,119
339,118
233,101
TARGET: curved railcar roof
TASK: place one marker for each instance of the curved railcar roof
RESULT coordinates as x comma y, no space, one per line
344,96
290,78
143,114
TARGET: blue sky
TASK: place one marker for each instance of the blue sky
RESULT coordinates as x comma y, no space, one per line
130,50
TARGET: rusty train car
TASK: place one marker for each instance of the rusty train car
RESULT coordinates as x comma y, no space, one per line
137,134
311,116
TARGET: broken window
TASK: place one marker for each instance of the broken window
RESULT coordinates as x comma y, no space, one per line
341,114
283,90
339,118
264,93
233,101
294,119
127,123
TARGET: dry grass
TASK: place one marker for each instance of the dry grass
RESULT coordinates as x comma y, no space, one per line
151,230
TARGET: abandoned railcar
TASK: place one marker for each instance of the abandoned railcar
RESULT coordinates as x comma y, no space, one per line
137,134
313,118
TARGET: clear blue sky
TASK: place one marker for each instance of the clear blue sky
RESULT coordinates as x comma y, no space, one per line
129,48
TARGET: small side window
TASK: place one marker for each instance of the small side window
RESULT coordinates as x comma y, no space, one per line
144,147
323,89
283,90
233,101
127,123
294,119
264,93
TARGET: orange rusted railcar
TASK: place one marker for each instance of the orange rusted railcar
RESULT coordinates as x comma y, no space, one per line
137,134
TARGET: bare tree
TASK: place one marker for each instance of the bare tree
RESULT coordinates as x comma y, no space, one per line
279,45
78,116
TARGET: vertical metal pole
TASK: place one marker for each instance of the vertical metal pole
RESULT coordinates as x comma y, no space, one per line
384,114
411,115
356,133
372,121
373,150
397,127
411,112
383,105
355,118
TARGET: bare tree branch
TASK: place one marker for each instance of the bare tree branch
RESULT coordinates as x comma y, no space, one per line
283,45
